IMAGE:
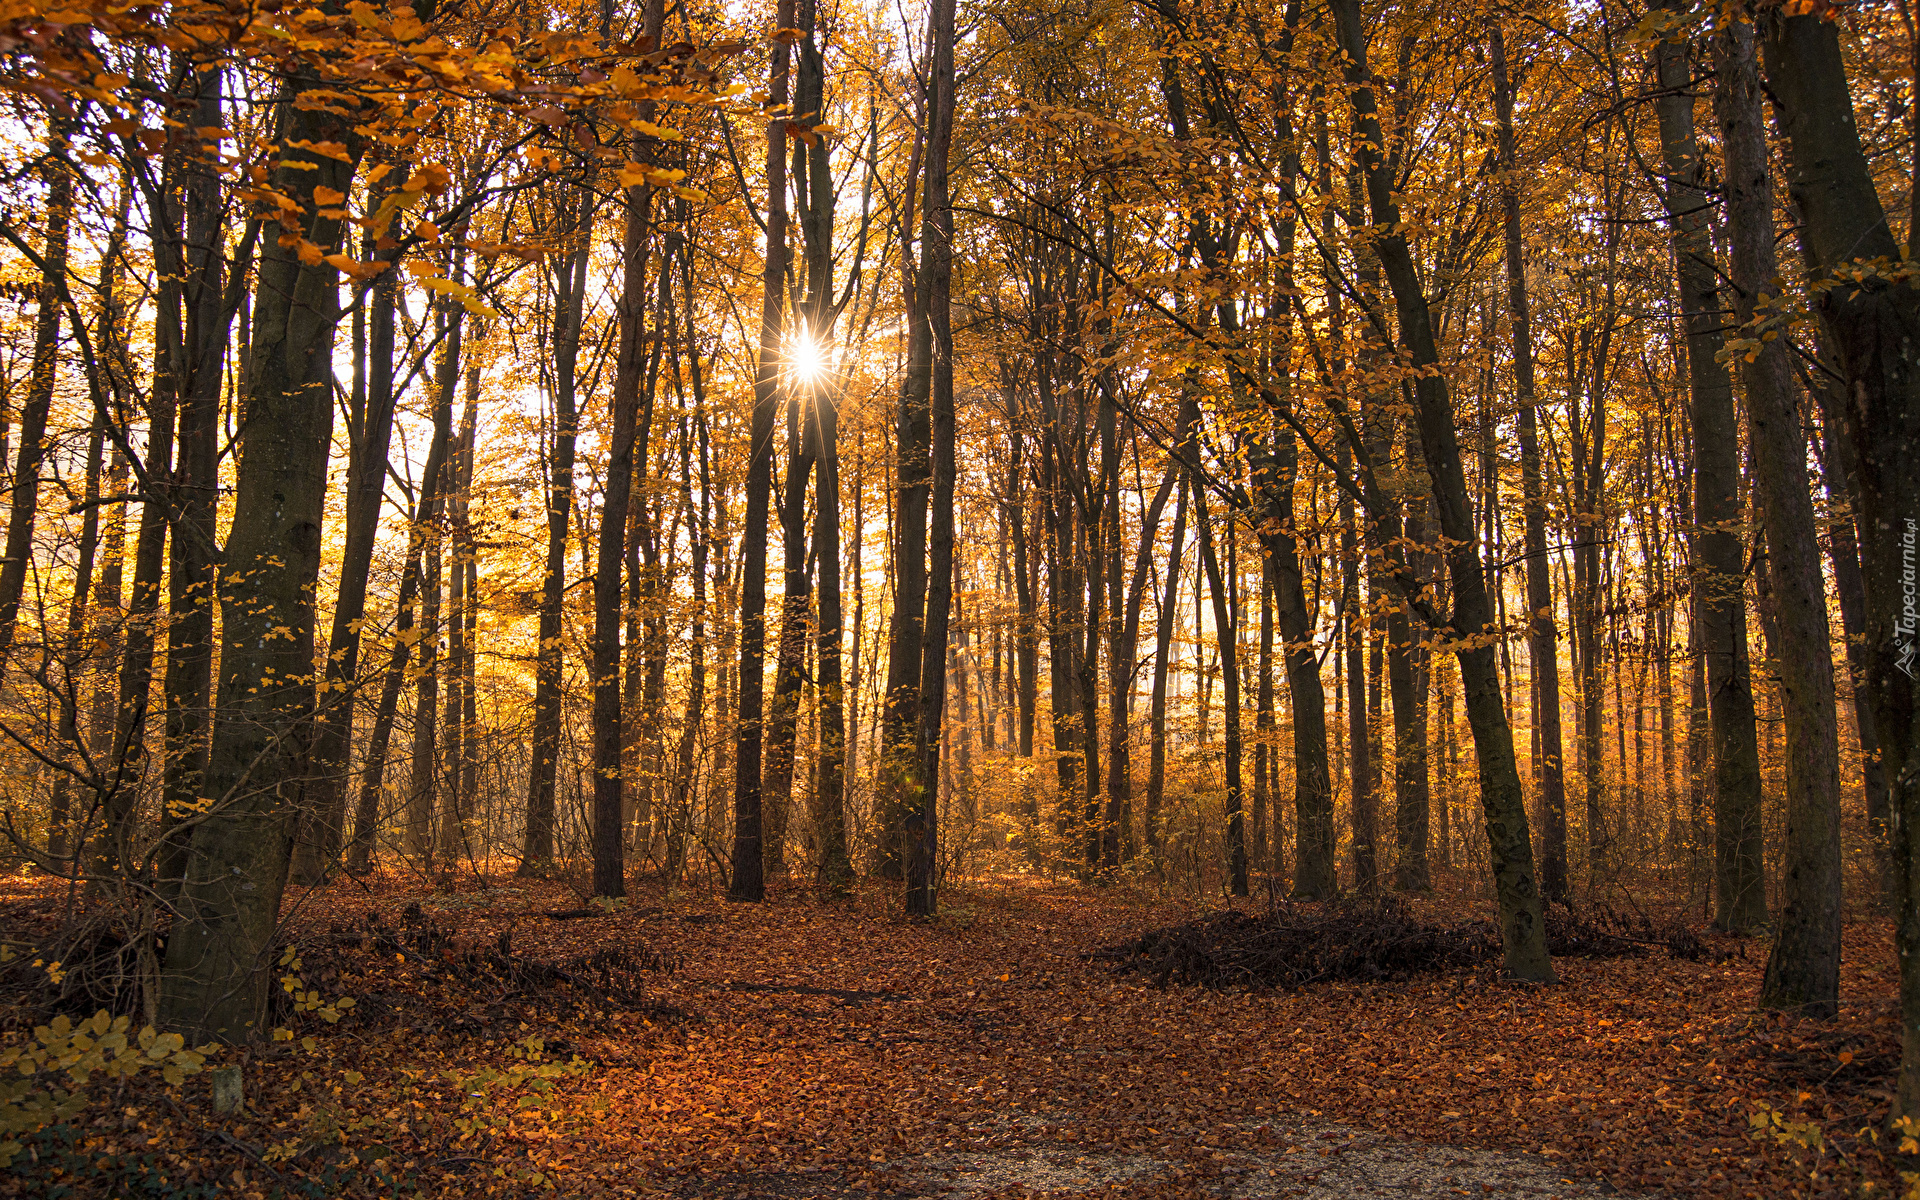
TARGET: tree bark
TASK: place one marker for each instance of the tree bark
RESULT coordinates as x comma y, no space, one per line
748,881
1523,931
1225,631
25,502
1543,637
1718,558
218,956
1162,652
936,263
1803,969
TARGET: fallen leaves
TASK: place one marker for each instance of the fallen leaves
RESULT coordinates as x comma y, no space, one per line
830,1046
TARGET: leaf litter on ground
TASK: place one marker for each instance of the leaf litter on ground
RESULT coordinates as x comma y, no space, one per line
821,1046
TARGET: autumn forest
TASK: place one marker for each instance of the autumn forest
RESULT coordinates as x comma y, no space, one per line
1366,492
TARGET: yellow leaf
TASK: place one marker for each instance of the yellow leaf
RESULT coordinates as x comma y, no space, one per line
334,150
431,179
322,194
649,129
641,175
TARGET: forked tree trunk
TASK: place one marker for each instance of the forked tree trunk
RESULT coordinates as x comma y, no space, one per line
218,959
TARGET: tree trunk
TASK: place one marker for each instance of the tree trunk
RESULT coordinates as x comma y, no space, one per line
68,748
569,311
195,488
748,881
609,769
1718,558
936,263
218,956
25,503
1523,931
424,788
814,173
1803,969
1226,635
1162,651
370,437
454,842
1543,638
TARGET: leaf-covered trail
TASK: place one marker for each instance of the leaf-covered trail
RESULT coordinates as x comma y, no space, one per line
818,1048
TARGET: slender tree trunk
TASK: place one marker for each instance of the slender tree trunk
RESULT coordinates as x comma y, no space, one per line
1523,931
1406,681
454,842
424,787
1543,638
195,488
749,879
370,439
609,770
936,262
814,174
1843,547
796,617
25,503
73,654
1169,610
1226,635
569,311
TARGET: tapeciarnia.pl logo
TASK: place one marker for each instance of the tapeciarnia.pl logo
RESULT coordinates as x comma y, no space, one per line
1904,644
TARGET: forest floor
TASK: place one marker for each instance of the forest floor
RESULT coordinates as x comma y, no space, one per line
684,1047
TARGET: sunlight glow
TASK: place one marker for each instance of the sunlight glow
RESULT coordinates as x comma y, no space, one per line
806,358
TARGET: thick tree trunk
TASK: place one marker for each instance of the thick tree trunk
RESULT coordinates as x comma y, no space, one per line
218,959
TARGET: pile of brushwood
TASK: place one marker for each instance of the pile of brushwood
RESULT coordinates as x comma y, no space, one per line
1293,945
